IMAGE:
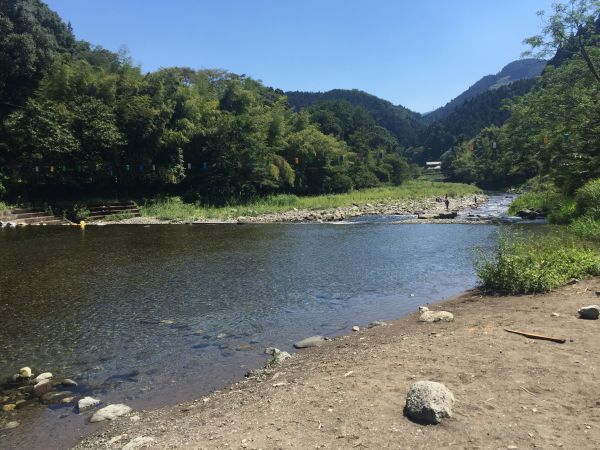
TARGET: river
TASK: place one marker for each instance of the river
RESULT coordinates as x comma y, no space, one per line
155,315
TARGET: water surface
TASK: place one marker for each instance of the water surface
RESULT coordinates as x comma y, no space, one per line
156,315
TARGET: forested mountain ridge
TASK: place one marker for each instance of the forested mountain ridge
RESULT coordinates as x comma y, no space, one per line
521,69
405,125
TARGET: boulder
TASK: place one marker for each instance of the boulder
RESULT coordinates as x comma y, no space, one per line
428,402
277,356
110,412
436,316
42,377
313,341
25,372
590,312
87,403
43,387
355,328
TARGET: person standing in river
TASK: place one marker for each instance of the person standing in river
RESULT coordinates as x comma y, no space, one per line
447,202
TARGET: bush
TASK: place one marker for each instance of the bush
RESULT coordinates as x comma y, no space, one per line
588,199
586,227
539,200
520,265
338,183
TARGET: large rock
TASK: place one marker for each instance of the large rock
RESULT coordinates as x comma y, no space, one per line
590,312
313,341
110,412
25,372
87,403
428,402
436,316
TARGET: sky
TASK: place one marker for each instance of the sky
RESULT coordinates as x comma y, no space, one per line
418,53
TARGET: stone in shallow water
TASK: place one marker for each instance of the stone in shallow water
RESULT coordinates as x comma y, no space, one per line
42,387
87,403
428,402
67,382
110,412
13,424
25,372
313,341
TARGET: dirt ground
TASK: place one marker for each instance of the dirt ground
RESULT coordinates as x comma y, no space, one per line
511,391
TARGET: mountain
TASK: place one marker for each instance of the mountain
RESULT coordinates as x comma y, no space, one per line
521,69
405,125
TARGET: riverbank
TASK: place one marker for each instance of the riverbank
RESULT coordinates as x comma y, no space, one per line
511,391
412,198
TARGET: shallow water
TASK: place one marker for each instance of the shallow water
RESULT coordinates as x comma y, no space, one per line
156,315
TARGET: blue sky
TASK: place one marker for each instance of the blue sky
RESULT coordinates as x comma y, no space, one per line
419,54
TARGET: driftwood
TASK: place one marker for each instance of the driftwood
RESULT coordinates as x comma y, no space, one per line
537,336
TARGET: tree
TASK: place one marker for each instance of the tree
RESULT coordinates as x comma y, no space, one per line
570,29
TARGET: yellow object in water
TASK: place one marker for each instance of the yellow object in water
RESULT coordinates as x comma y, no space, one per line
82,224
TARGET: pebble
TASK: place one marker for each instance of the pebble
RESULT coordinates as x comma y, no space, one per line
555,314
43,377
87,403
13,424
355,328
25,372
67,382
110,412
43,387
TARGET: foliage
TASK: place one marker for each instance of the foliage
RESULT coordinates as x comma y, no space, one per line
587,199
522,265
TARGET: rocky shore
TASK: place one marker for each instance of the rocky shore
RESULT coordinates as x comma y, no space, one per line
428,210
499,389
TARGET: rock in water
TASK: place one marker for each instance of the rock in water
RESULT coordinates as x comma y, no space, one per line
110,412
355,328
43,376
313,341
377,323
428,402
25,372
87,403
13,424
436,316
43,387
590,312
67,382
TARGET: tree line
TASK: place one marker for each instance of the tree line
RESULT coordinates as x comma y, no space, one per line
79,118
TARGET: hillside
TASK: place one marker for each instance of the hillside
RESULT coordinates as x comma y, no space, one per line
404,124
517,70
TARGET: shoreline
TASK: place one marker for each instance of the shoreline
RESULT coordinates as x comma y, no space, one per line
424,207
511,391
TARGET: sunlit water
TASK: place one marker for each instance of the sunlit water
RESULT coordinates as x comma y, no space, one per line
156,315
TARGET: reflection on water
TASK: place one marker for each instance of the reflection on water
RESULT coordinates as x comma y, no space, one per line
155,315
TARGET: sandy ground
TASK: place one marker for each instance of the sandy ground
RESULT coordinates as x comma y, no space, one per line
427,207
511,391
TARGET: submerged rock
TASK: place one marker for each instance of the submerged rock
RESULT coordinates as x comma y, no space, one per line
428,402
87,403
436,316
67,382
590,312
313,341
10,425
25,372
377,323
42,387
110,412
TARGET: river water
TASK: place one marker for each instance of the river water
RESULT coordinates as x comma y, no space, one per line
155,315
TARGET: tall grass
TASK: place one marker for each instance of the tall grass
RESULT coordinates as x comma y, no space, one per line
525,264
173,208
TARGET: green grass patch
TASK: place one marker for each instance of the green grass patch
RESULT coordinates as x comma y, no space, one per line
539,200
4,206
173,208
586,227
525,264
